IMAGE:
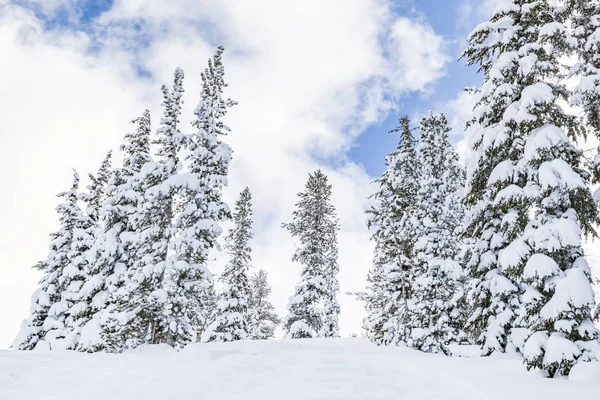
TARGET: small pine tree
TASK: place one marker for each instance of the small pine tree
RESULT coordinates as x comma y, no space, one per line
314,220
232,314
331,306
388,318
51,325
437,218
263,319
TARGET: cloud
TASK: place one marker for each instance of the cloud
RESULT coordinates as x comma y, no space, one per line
308,81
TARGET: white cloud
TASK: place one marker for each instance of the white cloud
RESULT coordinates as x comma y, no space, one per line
307,80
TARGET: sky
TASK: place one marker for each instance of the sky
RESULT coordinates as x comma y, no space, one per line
319,84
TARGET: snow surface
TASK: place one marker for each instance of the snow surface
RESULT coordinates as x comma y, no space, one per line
350,368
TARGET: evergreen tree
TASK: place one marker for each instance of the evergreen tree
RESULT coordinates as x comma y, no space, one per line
196,225
263,319
314,222
527,163
151,306
388,317
497,210
232,312
51,325
437,218
331,306
559,299
113,252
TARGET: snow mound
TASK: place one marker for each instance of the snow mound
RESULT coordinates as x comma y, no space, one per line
280,369
586,372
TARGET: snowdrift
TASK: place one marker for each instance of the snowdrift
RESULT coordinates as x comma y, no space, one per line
289,370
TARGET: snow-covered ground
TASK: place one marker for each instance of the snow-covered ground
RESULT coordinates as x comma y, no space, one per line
288,370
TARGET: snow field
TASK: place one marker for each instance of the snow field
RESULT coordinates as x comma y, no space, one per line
349,368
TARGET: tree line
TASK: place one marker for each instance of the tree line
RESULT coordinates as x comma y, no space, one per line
129,263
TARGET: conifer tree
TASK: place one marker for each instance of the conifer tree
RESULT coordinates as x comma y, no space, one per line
152,306
536,168
196,225
437,219
232,312
314,221
50,324
331,306
497,210
263,319
388,317
113,252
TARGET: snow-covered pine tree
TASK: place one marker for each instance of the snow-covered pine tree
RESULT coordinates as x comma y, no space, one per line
527,163
497,210
232,314
50,325
145,311
263,319
586,27
314,221
437,221
113,252
331,306
200,209
559,299
388,318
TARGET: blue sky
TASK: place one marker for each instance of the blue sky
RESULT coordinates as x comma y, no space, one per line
443,15
374,143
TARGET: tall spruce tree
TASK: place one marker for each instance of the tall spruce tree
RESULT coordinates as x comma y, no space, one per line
201,207
497,209
388,317
314,224
232,312
527,163
114,251
437,221
263,318
559,299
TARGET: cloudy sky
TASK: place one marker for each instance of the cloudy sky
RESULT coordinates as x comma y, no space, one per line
319,84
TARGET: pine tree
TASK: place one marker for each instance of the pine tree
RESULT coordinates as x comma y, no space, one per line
437,218
528,163
150,319
331,306
497,210
91,299
388,317
113,252
314,221
200,209
232,312
50,324
263,319
559,299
